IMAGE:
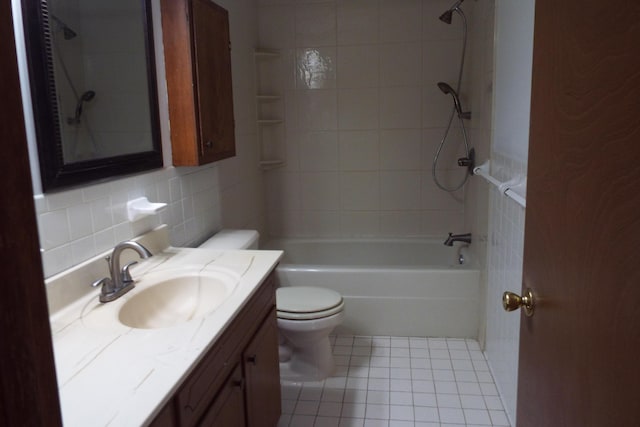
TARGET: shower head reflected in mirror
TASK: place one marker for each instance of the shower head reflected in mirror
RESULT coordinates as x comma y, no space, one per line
85,97
446,17
67,32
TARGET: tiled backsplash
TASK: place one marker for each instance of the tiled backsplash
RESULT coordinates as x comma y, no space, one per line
363,116
78,224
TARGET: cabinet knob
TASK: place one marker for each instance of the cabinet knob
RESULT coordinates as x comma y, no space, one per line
253,359
239,383
208,144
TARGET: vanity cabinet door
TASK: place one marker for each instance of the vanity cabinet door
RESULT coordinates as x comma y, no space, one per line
198,71
227,410
262,375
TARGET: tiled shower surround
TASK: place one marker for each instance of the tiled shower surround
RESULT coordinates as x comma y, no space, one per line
363,116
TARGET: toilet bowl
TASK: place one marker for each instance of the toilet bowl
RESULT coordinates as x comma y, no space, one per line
306,317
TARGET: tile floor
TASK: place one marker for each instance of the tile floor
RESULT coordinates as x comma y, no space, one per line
398,381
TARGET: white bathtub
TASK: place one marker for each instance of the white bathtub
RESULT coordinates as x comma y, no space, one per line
391,287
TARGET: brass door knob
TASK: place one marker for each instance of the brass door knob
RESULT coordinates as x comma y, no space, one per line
511,302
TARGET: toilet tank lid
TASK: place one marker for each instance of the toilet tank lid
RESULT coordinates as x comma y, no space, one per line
232,239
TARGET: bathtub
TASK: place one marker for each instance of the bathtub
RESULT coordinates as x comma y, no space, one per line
391,287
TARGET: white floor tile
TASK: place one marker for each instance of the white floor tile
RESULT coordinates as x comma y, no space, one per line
448,401
306,407
451,415
327,422
400,373
472,402
401,398
499,418
353,410
355,396
357,383
330,409
378,397
426,413
351,422
400,412
400,385
493,403
398,382
477,416
446,387
378,412
424,399
302,421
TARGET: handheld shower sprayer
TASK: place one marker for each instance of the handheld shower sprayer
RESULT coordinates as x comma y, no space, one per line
448,90
85,97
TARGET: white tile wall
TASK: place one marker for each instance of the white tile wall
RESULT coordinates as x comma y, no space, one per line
80,223
365,73
504,274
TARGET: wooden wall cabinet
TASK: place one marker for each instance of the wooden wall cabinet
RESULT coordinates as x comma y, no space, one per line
198,69
237,383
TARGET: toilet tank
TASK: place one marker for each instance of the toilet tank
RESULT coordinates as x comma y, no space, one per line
233,239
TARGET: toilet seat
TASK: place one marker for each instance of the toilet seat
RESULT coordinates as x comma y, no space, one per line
307,303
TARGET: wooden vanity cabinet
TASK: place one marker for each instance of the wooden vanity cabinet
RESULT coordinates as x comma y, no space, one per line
198,70
237,383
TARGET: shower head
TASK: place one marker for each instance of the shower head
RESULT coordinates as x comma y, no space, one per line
448,90
446,17
66,30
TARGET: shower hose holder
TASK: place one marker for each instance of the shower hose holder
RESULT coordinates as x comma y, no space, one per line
468,162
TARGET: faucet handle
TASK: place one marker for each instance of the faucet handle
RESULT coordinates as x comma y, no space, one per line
126,276
106,283
101,282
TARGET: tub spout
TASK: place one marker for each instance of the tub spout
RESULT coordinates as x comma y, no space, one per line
465,238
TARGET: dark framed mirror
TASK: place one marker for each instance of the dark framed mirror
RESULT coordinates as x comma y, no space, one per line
93,88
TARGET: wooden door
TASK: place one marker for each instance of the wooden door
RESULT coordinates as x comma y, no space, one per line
28,388
579,352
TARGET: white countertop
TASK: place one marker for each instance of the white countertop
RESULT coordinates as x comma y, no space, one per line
110,374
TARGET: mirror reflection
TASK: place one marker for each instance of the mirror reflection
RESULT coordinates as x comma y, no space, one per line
99,60
93,84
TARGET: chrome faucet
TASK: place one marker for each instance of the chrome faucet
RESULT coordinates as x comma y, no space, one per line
465,238
120,281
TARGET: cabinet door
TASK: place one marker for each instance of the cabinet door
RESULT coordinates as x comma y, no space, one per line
213,85
227,410
262,375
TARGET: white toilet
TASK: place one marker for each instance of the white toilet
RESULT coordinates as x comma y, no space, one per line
306,317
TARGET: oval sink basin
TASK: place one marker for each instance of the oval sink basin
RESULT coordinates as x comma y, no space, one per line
171,301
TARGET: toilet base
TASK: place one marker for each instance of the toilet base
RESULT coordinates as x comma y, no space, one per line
311,363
